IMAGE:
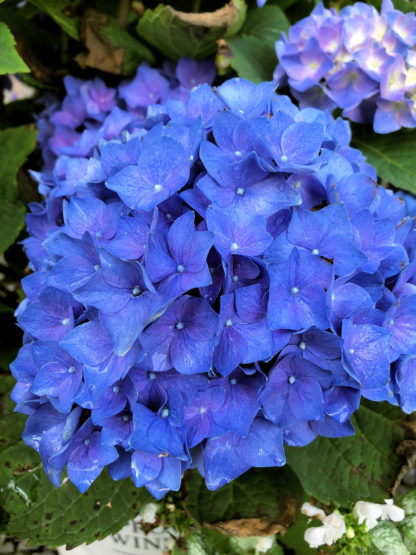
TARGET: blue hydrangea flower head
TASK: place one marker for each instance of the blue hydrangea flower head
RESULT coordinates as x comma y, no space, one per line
212,277
359,60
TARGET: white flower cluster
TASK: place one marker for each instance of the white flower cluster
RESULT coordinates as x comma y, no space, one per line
332,529
333,526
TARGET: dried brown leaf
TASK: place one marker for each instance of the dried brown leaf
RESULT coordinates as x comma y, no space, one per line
102,54
246,527
223,17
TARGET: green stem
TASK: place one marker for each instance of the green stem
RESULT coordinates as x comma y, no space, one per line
123,12
196,5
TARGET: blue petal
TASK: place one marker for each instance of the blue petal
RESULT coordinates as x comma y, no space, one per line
406,379
221,462
145,467
88,343
263,445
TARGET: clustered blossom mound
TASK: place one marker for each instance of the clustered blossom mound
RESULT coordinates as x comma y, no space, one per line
222,278
358,59
92,112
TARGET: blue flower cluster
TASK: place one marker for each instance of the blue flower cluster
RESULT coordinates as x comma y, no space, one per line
68,131
222,278
358,59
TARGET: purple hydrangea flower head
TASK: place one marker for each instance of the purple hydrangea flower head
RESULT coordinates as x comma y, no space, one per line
359,60
215,272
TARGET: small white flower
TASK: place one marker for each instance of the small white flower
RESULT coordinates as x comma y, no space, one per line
367,512
148,513
264,544
310,510
371,513
335,527
332,529
315,536
170,507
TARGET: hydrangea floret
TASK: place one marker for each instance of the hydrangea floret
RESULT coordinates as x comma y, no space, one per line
359,60
216,273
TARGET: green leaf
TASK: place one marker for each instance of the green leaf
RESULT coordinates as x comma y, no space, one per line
251,58
254,55
408,529
266,24
24,28
207,542
392,155
10,61
37,511
409,503
272,494
387,539
135,51
12,221
362,466
408,526
248,545
178,34
283,4
15,146
404,6
294,536
56,10
63,515
211,542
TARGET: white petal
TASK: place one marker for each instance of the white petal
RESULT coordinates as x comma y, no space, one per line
310,510
393,512
368,513
335,527
315,536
